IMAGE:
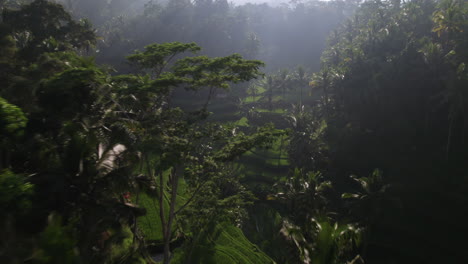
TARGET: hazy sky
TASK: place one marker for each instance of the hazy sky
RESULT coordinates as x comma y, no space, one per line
274,2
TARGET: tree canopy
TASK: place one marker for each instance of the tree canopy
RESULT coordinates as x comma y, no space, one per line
149,132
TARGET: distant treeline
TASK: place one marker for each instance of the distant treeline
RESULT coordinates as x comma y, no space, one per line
281,36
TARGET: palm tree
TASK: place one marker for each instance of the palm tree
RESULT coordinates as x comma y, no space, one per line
282,79
322,241
449,18
323,80
303,193
369,201
300,80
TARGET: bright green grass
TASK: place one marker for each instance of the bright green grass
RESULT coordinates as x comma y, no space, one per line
265,166
260,90
278,162
119,250
276,111
243,122
150,224
277,98
252,99
224,244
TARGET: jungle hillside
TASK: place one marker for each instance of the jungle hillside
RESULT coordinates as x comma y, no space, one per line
217,132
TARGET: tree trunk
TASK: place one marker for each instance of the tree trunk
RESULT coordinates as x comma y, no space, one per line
163,217
210,94
168,228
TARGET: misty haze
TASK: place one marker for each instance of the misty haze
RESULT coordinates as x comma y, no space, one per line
223,132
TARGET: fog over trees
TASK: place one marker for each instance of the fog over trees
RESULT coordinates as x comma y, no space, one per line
209,131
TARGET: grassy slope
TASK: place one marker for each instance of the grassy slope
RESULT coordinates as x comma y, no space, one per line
225,244
261,168
150,224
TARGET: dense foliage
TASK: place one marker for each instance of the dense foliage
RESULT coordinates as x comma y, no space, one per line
393,80
148,137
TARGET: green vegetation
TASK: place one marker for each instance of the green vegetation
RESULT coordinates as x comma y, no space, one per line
147,132
227,244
